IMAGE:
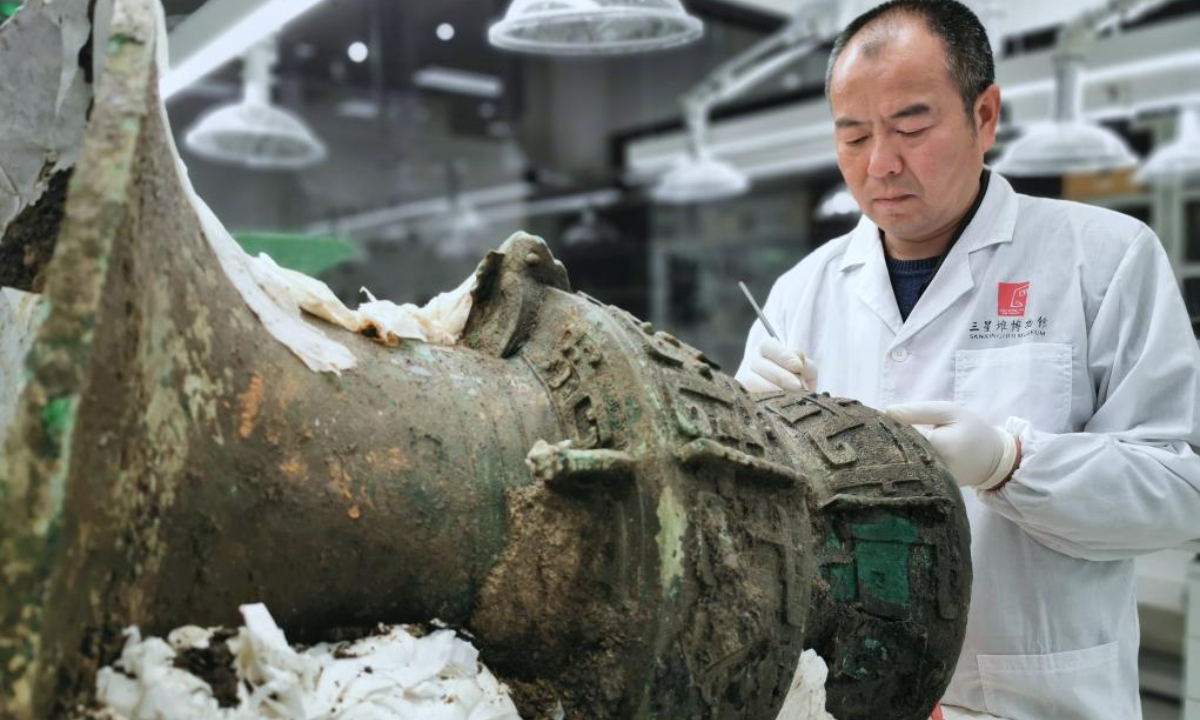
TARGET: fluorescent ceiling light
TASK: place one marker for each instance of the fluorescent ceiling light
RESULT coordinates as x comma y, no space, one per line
594,27
220,31
461,82
1178,160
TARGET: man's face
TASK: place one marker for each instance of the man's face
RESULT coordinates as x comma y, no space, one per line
909,152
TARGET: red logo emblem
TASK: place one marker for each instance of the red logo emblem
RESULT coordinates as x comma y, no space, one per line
1013,298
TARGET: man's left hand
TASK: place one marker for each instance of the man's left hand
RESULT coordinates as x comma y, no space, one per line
977,454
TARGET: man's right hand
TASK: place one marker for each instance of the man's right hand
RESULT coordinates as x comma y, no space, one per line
775,368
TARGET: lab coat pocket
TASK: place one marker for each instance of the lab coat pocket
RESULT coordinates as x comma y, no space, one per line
1030,381
1074,685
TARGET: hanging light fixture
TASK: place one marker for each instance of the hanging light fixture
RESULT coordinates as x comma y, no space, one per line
1179,160
594,27
701,176
462,224
837,204
253,133
589,229
462,232
1069,144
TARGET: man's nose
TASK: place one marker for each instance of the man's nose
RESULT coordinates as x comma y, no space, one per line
885,159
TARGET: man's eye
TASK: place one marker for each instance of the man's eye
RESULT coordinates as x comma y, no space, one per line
913,133
857,141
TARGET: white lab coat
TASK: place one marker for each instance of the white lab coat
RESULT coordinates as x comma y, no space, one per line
1101,382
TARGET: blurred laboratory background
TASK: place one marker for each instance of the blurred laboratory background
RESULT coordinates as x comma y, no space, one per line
664,152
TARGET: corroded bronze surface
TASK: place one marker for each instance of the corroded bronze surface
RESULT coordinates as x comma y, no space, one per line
622,528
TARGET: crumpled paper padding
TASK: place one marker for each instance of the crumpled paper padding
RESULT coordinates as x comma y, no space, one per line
806,696
392,675
440,321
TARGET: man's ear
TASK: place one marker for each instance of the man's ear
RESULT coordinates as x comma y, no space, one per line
987,116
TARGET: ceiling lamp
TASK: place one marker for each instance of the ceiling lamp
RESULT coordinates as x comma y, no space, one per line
589,229
701,176
594,27
462,224
253,133
1069,144
1179,160
837,204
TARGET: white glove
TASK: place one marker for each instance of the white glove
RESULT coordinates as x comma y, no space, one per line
977,454
775,368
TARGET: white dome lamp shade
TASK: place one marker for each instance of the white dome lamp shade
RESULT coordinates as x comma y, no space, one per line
1179,160
1066,145
700,178
594,27
253,133
462,224
589,230
837,204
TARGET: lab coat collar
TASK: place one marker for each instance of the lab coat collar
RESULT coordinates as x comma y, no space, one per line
993,223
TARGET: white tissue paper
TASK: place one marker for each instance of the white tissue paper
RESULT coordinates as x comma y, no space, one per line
806,697
392,675
440,321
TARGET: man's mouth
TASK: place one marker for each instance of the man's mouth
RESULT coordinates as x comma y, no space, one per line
893,199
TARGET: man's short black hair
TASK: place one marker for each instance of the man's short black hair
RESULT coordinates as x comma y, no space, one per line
968,52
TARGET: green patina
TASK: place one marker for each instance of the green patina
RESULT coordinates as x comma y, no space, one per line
843,583
890,529
882,558
118,40
422,351
851,667
616,421
923,556
633,411
872,653
883,571
56,422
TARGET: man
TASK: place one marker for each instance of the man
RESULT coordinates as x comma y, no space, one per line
1042,346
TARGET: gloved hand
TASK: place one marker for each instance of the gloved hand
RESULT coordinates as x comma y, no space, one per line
977,454
775,368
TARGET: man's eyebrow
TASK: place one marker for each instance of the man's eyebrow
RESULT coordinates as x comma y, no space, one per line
911,111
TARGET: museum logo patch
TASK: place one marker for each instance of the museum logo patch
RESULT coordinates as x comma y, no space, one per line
1013,298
